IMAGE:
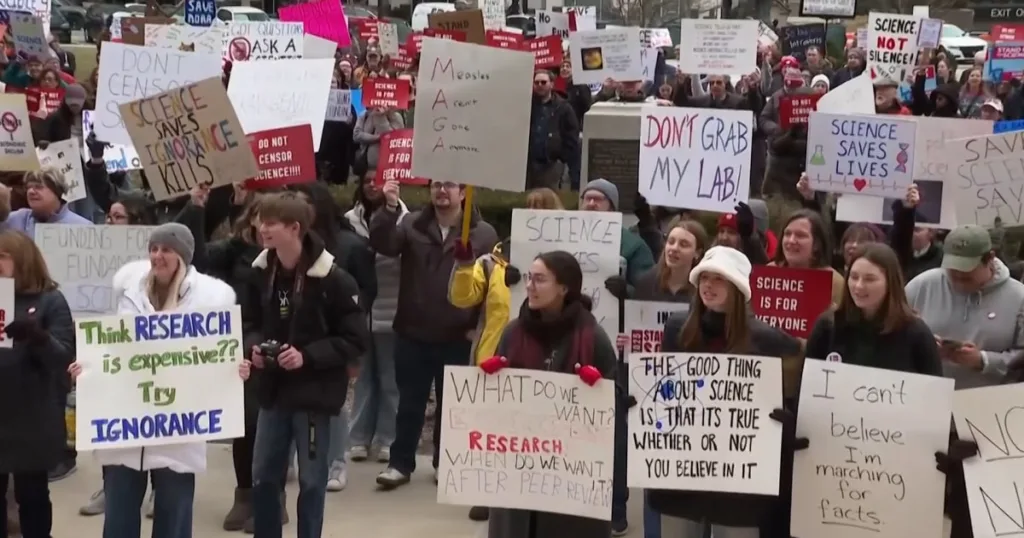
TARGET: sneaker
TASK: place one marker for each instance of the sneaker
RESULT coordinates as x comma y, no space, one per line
338,477
620,528
149,504
63,470
97,505
392,478
384,454
479,513
359,453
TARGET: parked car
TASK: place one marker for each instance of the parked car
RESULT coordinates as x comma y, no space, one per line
74,14
358,12
961,44
60,28
228,15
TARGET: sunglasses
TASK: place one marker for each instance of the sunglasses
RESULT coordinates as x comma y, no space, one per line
540,83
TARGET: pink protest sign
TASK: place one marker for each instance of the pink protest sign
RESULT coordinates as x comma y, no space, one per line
323,19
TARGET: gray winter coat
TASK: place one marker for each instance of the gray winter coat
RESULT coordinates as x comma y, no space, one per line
385,305
370,127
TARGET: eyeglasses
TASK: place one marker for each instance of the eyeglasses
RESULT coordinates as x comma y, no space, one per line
540,83
444,185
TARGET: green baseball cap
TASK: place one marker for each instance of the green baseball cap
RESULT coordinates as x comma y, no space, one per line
965,247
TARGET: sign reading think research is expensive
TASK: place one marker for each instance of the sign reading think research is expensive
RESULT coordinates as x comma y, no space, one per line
527,439
159,379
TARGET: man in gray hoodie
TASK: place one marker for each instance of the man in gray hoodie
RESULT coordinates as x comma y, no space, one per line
973,307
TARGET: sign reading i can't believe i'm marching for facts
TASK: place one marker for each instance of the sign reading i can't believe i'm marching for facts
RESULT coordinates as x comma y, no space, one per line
527,439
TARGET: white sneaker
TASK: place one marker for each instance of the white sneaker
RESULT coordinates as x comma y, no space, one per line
338,477
359,453
384,454
149,504
97,505
392,478
293,470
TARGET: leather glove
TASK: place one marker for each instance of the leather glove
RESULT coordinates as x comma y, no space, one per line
493,364
95,146
26,330
642,210
617,286
788,420
744,220
588,374
512,275
959,450
464,252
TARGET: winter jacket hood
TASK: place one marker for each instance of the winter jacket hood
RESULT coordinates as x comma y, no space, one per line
952,94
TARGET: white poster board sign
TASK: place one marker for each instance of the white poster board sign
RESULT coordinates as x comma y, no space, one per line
682,167
892,45
552,23
129,73
599,55
29,36
828,8
655,37
162,379
317,48
207,40
984,178
19,154
466,136
6,310
264,40
297,94
118,157
856,96
39,8
83,260
64,157
387,37
593,236
718,46
870,468
644,323
507,439
494,13
872,155
701,422
649,60
586,17
339,106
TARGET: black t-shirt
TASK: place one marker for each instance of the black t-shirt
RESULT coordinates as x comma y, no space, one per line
284,286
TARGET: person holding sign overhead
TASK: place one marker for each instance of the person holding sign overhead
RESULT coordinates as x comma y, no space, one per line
31,422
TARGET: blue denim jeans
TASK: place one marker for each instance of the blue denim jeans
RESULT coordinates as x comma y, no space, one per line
620,492
652,521
125,491
275,431
339,436
375,403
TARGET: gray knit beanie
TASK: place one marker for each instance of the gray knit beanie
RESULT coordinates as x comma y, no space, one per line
176,237
605,187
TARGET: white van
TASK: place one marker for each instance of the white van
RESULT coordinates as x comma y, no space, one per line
423,11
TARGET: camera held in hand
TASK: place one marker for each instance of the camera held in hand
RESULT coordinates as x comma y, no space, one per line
270,350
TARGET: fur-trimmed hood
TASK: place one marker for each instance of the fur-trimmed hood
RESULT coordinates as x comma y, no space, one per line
196,291
312,247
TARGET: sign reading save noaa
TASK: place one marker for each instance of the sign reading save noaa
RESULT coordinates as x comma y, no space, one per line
199,12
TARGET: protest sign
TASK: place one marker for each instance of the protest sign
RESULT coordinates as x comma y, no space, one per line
64,157
317,48
527,439
296,95
929,35
470,22
29,36
592,236
892,45
494,13
701,422
766,35
356,98
649,60
366,29
871,155
552,23
284,156
6,310
159,379
988,416
83,260
387,38
133,29
862,37
403,61
870,468
323,18
797,39
19,153
586,17
828,9
264,40
200,12
465,83
857,96
795,109
600,55
189,135
695,158
414,43
718,46
129,73
504,40
185,38
546,51
381,92
39,8
41,103
1005,62
790,299
1007,126
985,177
395,160
644,323
339,106
655,38
1007,32
118,157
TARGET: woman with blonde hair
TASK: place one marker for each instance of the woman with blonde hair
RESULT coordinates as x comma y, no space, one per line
543,198
32,372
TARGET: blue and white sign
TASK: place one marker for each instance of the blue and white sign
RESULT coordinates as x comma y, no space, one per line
199,12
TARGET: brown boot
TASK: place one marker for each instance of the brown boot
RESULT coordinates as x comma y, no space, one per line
240,511
250,525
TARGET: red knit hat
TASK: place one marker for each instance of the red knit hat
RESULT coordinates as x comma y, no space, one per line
727,220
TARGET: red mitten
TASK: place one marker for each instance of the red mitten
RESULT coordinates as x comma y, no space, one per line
464,252
588,374
493,364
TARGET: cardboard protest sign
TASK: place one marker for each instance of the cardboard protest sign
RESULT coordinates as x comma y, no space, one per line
339,106
892,45
870,468
185,38
6,310
83,260
984,173
159,379
387,38
29,36
465,83
860,154
296,95
118,157
718,47
64,157
796,39
828,9
189,135
592,235
200,12
600,55
381,92
570,441
644,323
323,18
263,41
395,160
796,109
284,156
504,40
701,422
681,168
18,149
790,299
546,51
41,103
553,23
133,29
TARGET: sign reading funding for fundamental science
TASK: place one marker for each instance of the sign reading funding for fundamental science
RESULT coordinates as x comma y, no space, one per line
159,379
528,440
701,422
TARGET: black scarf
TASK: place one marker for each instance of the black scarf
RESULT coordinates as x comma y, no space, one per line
536,336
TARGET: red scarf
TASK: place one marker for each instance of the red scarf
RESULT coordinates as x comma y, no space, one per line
532,339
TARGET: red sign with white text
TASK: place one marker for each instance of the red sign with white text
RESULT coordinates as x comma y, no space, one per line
395,160
790,299
504,40
796,109
1007,32
403,61
284,156
367,29
386,93
41,103
547,51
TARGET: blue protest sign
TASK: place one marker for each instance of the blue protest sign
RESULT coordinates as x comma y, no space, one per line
1008,126
357,102
199,12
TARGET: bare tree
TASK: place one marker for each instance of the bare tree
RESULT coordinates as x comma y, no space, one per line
647,13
